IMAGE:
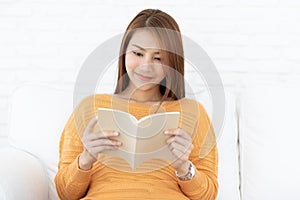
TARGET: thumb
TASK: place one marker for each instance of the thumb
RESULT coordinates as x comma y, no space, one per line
91,124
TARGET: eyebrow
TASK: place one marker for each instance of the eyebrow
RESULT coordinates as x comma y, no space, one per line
143,48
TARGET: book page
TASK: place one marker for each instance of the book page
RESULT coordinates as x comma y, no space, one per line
151,140
109,119
150,136
141,139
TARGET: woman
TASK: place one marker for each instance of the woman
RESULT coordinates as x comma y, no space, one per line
150,79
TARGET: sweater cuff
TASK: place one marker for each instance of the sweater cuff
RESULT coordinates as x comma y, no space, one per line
81,176
190,186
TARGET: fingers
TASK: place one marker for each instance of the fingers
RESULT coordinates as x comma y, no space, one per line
179,155
182,148
100,138
96,142
178,140
97,135
179,143
180,151
179,136
91,124
104,142
103,134
96,150
178,132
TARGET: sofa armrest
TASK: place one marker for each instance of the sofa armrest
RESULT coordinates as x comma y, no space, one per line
22,176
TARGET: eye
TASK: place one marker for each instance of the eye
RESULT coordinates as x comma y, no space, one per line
157,58
137,53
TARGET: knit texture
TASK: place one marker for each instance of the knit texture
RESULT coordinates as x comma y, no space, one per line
104,181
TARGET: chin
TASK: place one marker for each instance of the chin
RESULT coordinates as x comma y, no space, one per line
145,87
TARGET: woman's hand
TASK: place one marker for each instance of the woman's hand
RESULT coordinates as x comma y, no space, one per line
95,143
180,144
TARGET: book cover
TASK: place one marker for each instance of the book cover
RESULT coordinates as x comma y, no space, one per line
141,139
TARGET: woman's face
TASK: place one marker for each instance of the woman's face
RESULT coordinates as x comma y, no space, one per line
144,60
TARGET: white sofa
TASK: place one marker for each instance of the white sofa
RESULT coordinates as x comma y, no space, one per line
257,149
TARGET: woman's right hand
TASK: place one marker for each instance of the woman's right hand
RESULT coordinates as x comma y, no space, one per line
95,143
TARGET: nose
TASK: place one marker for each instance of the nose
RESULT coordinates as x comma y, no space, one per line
148,59
147,62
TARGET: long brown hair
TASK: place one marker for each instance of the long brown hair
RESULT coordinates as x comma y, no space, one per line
165,26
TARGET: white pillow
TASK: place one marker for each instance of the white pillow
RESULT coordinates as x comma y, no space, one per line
22,176
38,114
269,142
227,143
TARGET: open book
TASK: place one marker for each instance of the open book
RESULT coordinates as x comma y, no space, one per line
142,139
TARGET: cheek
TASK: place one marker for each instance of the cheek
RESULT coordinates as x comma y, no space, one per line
131,62
160,72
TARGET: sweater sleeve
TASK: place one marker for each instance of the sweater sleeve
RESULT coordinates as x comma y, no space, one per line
204,156
71,182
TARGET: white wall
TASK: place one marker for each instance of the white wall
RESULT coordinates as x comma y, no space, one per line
47,40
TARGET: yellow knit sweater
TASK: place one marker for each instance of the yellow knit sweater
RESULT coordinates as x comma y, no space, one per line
104,182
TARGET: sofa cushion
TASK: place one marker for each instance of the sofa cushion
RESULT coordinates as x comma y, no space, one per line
21,172
269,142
227,143
37,118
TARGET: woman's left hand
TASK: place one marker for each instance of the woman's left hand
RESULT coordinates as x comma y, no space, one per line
180,144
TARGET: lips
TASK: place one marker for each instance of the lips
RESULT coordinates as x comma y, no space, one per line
143,77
